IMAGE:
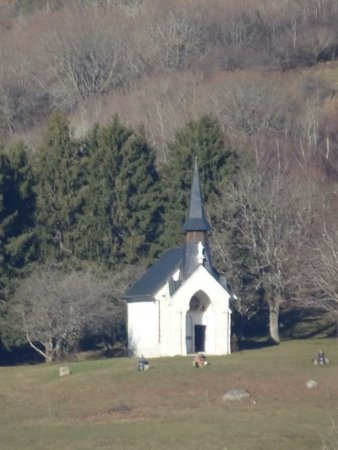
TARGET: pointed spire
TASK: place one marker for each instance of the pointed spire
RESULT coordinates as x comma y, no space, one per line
196,220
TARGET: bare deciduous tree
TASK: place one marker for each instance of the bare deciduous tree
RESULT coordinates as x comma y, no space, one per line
323,274
250,103
245,302
89,61
271,215
23,101
174,40
55,309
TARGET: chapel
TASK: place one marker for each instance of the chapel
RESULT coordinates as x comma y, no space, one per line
180,305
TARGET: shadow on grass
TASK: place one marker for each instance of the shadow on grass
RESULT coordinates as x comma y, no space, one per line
251,344
24,354
100,352
300,324
294,324
324,332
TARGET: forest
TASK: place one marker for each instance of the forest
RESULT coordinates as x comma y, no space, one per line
104,105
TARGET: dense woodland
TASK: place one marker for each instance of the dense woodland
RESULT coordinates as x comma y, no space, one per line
103,107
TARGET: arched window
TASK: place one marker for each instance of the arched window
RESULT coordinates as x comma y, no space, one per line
199,302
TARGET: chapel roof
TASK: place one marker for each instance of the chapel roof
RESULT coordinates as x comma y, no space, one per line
196,219
156,276
184,259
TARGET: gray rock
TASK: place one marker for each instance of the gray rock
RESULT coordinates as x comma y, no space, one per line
236,394
311,384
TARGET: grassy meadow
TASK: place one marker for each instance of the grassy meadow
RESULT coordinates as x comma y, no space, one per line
108,404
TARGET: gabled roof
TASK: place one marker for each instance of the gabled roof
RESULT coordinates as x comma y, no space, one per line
196,220
184,258
156,276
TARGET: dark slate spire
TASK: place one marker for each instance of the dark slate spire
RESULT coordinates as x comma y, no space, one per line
195,228
196,220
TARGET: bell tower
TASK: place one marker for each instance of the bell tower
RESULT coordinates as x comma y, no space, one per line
196,228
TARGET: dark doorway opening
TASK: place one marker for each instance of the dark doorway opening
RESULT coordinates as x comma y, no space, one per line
200,338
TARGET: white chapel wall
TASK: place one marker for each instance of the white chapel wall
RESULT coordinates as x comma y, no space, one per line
217,315
158,328
143,329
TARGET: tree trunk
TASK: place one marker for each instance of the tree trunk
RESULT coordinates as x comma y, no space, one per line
49,351
47,354
241,329
273,323
58,350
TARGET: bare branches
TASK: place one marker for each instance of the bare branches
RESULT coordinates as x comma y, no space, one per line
55,309
323,271
78,50
270,221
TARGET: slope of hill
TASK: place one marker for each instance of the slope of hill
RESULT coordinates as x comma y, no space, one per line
109,404
163,63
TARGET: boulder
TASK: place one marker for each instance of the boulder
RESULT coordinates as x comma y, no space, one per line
311,384
236,394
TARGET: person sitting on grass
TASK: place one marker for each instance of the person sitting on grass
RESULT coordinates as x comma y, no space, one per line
321,359
200,360
143,364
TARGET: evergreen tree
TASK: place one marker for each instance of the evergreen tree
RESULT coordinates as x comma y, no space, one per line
137,200
6,216
203,139
58,190
99,239
17,207
120,199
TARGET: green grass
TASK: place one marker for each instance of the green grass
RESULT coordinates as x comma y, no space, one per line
107,404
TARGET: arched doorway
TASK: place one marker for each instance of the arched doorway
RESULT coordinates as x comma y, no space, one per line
196,326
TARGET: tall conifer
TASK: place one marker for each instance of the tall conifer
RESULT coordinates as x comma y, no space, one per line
203,139
99,239
137,200
121,209
17,207
58,186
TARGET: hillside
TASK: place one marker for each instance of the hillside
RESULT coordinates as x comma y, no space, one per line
109,404
258,66
104,104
